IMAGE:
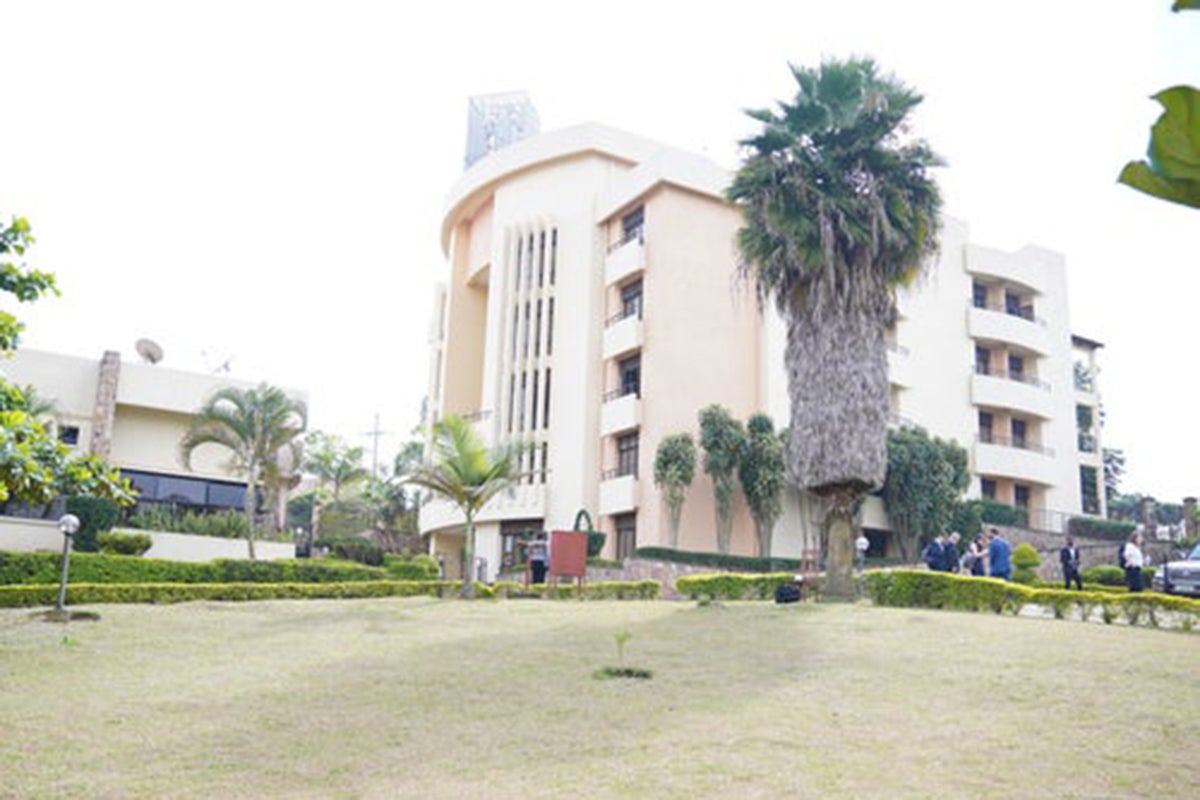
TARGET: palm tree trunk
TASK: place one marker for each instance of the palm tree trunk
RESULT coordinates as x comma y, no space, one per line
468,584
248,505
839,563
763,536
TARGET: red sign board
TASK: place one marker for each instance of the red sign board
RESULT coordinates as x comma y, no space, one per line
568,554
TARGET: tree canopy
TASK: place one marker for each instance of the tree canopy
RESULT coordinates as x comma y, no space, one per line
721,438
926,477
763,475
674,469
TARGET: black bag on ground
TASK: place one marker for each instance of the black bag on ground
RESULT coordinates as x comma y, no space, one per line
787,593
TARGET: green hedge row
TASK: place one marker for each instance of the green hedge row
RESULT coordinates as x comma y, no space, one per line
726,586
27,568
1096,528
720,560
92,593
918,589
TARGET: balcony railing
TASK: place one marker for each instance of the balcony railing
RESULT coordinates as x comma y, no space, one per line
630,235
1024,312
624,313
477,416
1020,444
1019,377
618,472
616,394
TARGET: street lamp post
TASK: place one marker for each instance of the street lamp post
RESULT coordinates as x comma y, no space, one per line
69,525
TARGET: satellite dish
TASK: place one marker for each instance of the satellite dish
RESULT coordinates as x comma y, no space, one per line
149,350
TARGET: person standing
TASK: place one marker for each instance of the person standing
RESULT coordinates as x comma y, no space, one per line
999,555
975,556
1069,558
950,553
861,545
1134,560
935,554
539,556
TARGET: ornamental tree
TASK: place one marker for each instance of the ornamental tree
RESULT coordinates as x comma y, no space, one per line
674,468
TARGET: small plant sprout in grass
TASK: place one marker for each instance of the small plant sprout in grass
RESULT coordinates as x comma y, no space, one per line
621,638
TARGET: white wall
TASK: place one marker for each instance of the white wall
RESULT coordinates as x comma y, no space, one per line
31,535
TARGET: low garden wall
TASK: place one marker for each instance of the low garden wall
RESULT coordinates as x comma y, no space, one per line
1093,552
20,535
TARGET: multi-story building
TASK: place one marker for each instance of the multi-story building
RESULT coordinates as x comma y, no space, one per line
133,415
593,307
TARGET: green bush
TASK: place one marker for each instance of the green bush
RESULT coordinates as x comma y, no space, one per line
1026,560
1106,574
124,544
599,590
354,548
921,589
420,567
29,568
730,586
992,512
1095,528
718,560
96,515
595,543
170,519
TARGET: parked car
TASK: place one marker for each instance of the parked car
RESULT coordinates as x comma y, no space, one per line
1180,577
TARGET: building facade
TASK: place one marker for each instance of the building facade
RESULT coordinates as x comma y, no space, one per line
133,415
593,307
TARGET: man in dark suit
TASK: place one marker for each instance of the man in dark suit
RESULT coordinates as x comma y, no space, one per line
1069,558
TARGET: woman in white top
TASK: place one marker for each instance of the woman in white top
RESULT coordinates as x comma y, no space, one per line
1133,563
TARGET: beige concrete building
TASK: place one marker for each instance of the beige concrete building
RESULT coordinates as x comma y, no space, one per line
592,308
134,415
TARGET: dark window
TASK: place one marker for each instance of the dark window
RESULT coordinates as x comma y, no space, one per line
68,434
979,295
1020,495
550,327
1012,303
521,404
533,403
515,535
525,332
553,253
546,401
1018,432
182,490
626,526
631,300
631,375
537,330
985,426
517,269
545,456
627,454
632,224
516,327
529,264
1016,368
983,361
1088,491
542,258
230,495
987,488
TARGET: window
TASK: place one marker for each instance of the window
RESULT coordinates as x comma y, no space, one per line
626,526
631,300
521,404
546,400
979,295
68,434
1088,491
627,454
1012,303
514,537
1020,495
550,327
987,488
542,259
533,403
1016,368
631,376
985,427
632,224
537,330
553,253
983,361
1018,433
545,456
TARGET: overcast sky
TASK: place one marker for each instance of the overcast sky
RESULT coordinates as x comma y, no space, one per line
264,181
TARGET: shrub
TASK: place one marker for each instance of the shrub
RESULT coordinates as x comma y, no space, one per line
124,544
96,515
1026,560
415,568
30,568
1095,528
1105,574
354,548
595,543
164,517
992,512
718,560
729,586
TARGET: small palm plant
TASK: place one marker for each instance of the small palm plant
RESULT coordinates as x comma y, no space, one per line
466,472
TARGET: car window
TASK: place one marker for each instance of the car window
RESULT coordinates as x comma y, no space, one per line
1195,554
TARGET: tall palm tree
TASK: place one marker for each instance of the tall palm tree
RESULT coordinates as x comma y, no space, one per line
255,425
464,471
839,210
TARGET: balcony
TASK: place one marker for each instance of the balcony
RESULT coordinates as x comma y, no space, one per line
526,501
998,389
999,325
625,258
1023,461
621,411
618,493
900,371
622,334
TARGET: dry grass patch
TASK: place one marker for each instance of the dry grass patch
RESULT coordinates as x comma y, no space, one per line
428,698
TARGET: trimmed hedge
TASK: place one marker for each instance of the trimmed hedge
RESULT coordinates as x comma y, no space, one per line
719,560
420,567
92,593
913,589
1095,528
30,568
728,586
354,548
96,515
124,544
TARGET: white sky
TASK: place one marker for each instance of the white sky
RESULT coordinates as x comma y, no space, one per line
265,180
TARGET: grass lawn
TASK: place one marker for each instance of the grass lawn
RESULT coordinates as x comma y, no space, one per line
439,698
